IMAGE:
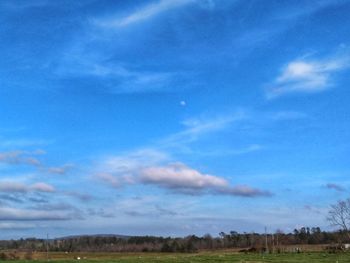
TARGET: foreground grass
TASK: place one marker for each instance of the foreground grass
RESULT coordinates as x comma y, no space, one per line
315,257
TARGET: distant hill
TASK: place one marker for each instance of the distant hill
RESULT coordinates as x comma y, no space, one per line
96,235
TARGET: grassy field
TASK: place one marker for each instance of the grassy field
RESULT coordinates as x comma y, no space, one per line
315,257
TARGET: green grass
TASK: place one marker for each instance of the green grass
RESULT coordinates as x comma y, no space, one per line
315,257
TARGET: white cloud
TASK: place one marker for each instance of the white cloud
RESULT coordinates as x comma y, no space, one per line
144,13
306,76
180,176
177,177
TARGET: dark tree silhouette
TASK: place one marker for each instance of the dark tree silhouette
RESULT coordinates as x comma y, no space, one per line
339,215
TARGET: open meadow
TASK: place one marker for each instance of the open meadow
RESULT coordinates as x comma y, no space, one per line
217,256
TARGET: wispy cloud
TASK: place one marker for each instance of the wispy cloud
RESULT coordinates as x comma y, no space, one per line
157,211
78,195
15,5
19,143
59,169
15,226
201,128
306,76
244,150
35,4
82,61
194,128
16,214
110,179
121,169
18,187
100,213
19,157
286,115
117,78
143,14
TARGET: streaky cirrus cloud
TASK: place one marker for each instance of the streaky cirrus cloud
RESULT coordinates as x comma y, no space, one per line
307,76
221,152
143,14
20,143
176,177
194,128
117,78
287,115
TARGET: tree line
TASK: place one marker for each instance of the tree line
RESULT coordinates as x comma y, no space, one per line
192,243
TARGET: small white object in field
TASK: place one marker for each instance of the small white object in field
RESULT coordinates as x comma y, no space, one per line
78,258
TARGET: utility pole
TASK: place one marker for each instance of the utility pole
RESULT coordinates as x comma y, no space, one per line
267,250
47,247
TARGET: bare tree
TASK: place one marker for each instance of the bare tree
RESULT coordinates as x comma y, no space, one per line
339,215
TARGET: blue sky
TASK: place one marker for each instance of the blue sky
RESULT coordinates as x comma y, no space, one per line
172,117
